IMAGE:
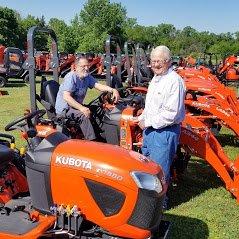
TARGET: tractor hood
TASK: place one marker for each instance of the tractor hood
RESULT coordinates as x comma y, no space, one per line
102,160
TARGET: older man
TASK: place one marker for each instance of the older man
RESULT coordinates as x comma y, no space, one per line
164,111
73,91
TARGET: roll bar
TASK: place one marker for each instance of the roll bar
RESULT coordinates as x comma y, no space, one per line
108,62
30,62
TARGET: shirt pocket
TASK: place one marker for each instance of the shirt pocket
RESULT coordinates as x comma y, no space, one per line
157,98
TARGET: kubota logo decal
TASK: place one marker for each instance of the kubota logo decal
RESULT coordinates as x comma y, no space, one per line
85,164
223,111
204,89
70,161
198,104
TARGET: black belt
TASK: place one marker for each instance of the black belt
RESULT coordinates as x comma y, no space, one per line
166,127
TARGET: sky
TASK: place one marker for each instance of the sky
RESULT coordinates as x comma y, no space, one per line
218,16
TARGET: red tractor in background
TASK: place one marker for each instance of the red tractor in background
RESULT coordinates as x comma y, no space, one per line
228,71
67,63
11,65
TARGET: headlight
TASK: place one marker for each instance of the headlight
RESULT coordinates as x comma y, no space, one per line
147,181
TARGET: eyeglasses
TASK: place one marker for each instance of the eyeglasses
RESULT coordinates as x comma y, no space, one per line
84,66
158,62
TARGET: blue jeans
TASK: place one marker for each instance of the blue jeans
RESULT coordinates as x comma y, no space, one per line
160,145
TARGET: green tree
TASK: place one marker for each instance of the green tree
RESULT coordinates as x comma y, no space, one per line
40,39
96,20
64,35
9,27
225,48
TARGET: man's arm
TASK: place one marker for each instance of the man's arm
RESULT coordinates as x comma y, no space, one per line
73,103
102,88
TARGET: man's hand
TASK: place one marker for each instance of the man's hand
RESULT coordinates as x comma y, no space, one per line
85,111
103,88
136,121
115,95
141,124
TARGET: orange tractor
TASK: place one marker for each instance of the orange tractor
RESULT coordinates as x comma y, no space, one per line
106,191
78,188
228,71
209,99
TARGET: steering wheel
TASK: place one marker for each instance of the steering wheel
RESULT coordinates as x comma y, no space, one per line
13,125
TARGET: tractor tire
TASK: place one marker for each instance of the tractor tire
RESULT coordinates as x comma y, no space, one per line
26,79
3,81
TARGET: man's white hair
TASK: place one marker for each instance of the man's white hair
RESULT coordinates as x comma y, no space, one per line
161,52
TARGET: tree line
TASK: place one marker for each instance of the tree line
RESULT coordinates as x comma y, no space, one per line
88,30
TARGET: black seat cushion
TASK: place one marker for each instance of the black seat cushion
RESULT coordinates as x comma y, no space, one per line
6,155
49,91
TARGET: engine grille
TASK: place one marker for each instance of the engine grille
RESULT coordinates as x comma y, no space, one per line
108,199
147,211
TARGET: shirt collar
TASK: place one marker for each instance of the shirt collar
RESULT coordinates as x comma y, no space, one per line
158,78
82,79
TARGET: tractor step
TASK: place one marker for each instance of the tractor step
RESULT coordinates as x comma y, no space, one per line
18,220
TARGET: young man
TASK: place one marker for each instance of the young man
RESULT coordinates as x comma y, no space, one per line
73,91
164,111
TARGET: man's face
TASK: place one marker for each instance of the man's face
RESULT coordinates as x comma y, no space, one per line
159,65
82,68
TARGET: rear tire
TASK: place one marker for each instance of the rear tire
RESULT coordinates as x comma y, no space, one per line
3,81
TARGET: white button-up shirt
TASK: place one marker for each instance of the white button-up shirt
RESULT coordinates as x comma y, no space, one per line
164,104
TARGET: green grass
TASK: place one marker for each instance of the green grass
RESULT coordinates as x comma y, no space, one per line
200,206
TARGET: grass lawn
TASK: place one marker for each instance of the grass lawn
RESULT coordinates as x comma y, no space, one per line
200,206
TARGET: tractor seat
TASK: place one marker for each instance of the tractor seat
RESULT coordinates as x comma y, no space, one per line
6,155
49,90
